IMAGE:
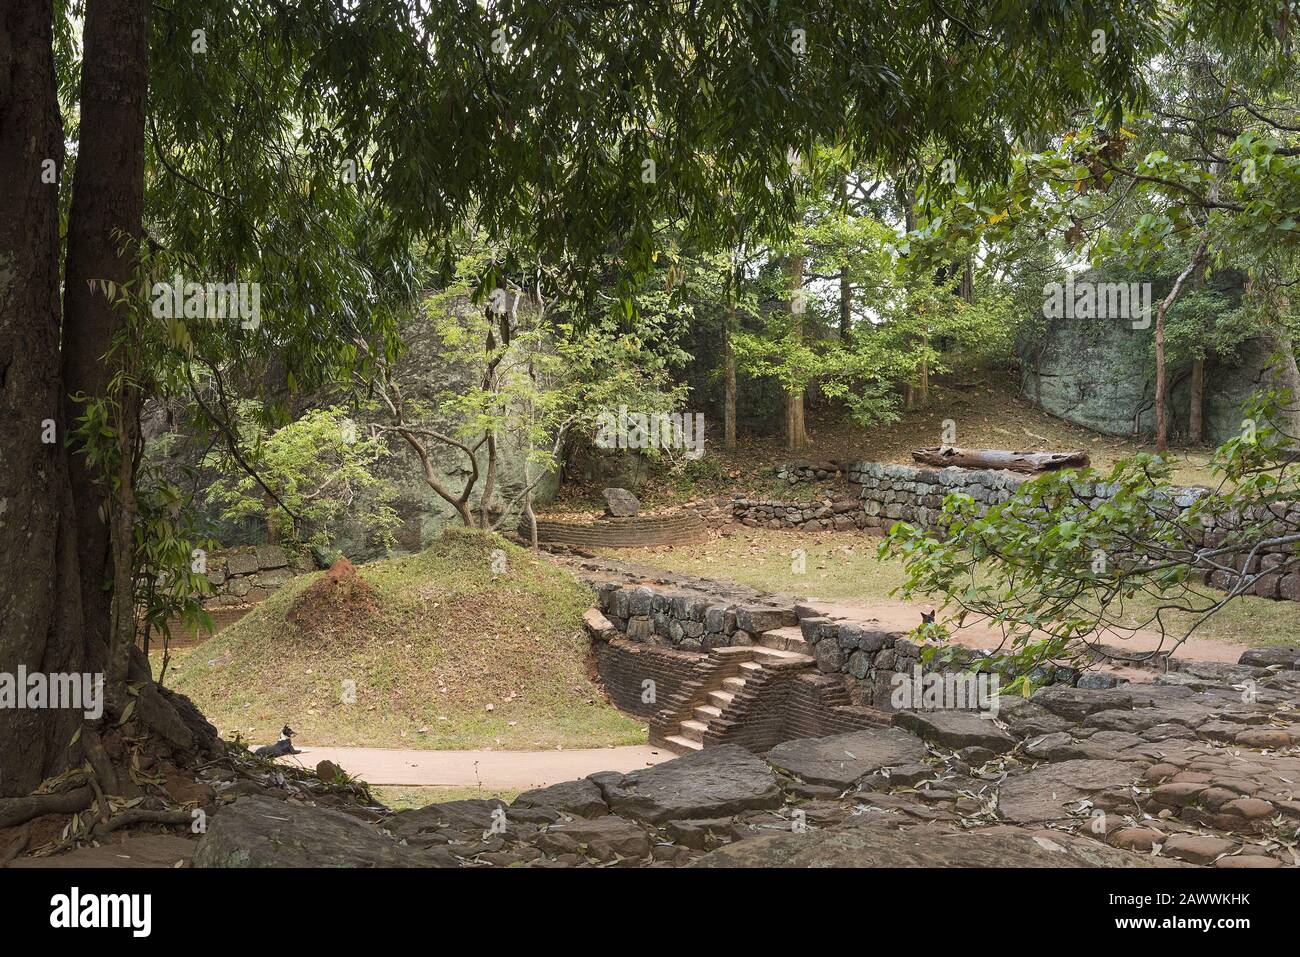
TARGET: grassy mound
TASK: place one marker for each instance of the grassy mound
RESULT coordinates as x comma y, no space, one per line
442,653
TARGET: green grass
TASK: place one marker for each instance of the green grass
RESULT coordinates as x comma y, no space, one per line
445,640
410,798
844,566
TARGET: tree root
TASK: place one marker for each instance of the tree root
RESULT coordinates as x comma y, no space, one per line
20,810
139,816
17,847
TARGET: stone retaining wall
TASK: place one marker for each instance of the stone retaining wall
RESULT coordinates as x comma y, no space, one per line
246,576
684,620
893,493
805,471
839,513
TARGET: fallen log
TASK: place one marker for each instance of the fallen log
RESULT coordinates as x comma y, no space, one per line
945,456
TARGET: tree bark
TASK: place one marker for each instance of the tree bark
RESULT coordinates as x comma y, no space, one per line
40,606
796,432
1289,378
846,287
1196,403
1162,425
949,455
728,389
104,228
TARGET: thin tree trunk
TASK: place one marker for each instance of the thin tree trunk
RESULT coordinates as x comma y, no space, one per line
846,287
489,482
729,390
1196,401
40,595
796,433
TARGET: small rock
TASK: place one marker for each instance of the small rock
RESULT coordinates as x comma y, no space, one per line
1197,848
1136,838
1249,808
1178,793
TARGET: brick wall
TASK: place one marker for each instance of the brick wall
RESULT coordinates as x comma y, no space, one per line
631,532
625,665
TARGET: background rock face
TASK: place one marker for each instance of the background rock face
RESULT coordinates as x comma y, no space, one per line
1095,373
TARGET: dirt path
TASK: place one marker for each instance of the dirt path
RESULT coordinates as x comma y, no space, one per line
504,770
975,634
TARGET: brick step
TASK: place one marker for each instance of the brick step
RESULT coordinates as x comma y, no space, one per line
694,730
732,685
720,699
748,668
785,639
776,654
682,745
707,712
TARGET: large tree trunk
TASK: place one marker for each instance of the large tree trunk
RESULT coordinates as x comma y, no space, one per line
796,433
1162,424
40,608
104,227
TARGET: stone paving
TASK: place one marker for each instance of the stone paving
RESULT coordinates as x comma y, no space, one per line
1178,771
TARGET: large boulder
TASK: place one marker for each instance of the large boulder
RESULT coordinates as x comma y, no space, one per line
715,782
1287,656
620,503
841,759
884,844
259,831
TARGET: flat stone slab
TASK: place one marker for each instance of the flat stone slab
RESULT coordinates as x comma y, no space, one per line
1042,794
606,836
468,816
884,844
1288,656
955,729
1075,704
715,782
258,831
841,759
580,797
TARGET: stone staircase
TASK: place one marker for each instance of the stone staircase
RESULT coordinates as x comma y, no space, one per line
780,644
